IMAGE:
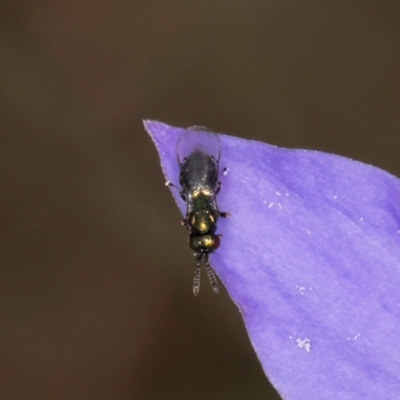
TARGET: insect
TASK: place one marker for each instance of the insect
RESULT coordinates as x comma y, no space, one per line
198,152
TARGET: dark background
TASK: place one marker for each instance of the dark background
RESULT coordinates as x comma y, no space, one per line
95,273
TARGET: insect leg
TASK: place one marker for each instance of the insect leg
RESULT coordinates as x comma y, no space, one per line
169,183
181,192
196,280
221,213
211,276
185,223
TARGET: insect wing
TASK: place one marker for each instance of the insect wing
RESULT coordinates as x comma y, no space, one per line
197,139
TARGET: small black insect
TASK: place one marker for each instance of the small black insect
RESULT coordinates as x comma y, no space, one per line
198,154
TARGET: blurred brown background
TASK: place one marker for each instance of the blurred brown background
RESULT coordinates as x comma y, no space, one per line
95,272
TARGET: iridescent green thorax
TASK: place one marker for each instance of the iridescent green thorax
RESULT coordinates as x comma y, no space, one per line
202,215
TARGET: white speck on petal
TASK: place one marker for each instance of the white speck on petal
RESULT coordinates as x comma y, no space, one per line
270,205
361,219
335,197
304,344
302,289
279,206
278,193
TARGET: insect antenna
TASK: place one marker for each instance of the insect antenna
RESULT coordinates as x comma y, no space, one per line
196,280
211,275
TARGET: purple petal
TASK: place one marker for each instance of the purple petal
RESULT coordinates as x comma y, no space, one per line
311,256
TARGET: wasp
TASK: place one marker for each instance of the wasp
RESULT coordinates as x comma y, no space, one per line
198,153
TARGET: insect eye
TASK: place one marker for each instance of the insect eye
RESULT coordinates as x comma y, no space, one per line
216,242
